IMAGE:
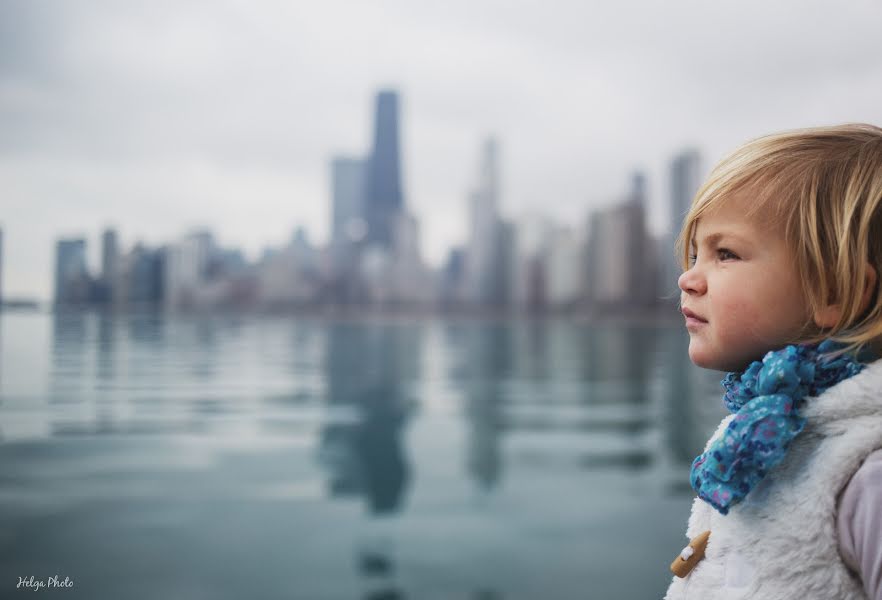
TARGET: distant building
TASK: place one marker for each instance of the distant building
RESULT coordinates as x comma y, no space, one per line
186,269
304,252
637,194
1,267
348,186
290,276
384,199
484,285
506,265
108,288
622,267
452,278
226,262
565,269
143,278
411,279
685,179
73,286
529,240
349,230
608,256
109,254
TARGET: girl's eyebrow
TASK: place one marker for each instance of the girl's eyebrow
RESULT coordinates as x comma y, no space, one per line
713,238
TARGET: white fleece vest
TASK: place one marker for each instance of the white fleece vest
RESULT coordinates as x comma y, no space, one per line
781,543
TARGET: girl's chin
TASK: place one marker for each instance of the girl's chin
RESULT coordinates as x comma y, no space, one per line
714,362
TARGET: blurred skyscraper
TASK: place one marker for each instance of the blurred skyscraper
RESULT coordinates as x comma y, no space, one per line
72,282
1,267
608,256
529,241
565,271
384,198
451,279
485,281
413,281
109,266
685,181
348,186
506,250
348,229
623,267
638,189
186,268
140,283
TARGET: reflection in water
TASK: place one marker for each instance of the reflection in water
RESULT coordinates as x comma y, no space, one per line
69,352
692,398
367,367
487,361
105,368
206,344
148,329
364,456
106,356
623,355
568,432
557,389
680,420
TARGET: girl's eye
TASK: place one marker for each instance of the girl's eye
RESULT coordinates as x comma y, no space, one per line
693,258
726,254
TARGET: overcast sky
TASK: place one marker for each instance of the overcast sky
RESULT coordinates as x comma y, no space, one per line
156,117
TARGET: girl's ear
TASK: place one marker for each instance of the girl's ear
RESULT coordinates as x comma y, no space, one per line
828,316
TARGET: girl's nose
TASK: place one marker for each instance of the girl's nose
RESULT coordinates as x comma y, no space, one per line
692,282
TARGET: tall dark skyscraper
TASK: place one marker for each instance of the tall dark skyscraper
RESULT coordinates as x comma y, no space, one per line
384,198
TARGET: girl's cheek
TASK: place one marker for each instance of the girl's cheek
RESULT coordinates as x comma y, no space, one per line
736,316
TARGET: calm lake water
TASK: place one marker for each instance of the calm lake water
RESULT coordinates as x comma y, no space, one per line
279,457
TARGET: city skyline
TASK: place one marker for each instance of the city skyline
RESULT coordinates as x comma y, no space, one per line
155,122
610,264
374,254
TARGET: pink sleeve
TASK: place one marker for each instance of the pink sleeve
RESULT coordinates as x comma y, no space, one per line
859,523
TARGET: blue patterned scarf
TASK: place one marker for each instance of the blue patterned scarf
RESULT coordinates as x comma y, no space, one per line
766,399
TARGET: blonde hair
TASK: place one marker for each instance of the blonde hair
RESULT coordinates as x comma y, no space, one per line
823,188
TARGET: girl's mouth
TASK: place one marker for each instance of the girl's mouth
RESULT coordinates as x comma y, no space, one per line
692,319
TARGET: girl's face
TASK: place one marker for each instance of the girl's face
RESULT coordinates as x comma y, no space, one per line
741,296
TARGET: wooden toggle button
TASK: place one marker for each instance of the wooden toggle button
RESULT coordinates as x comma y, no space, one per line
690,555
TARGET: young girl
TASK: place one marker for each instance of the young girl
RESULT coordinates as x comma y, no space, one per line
782,252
